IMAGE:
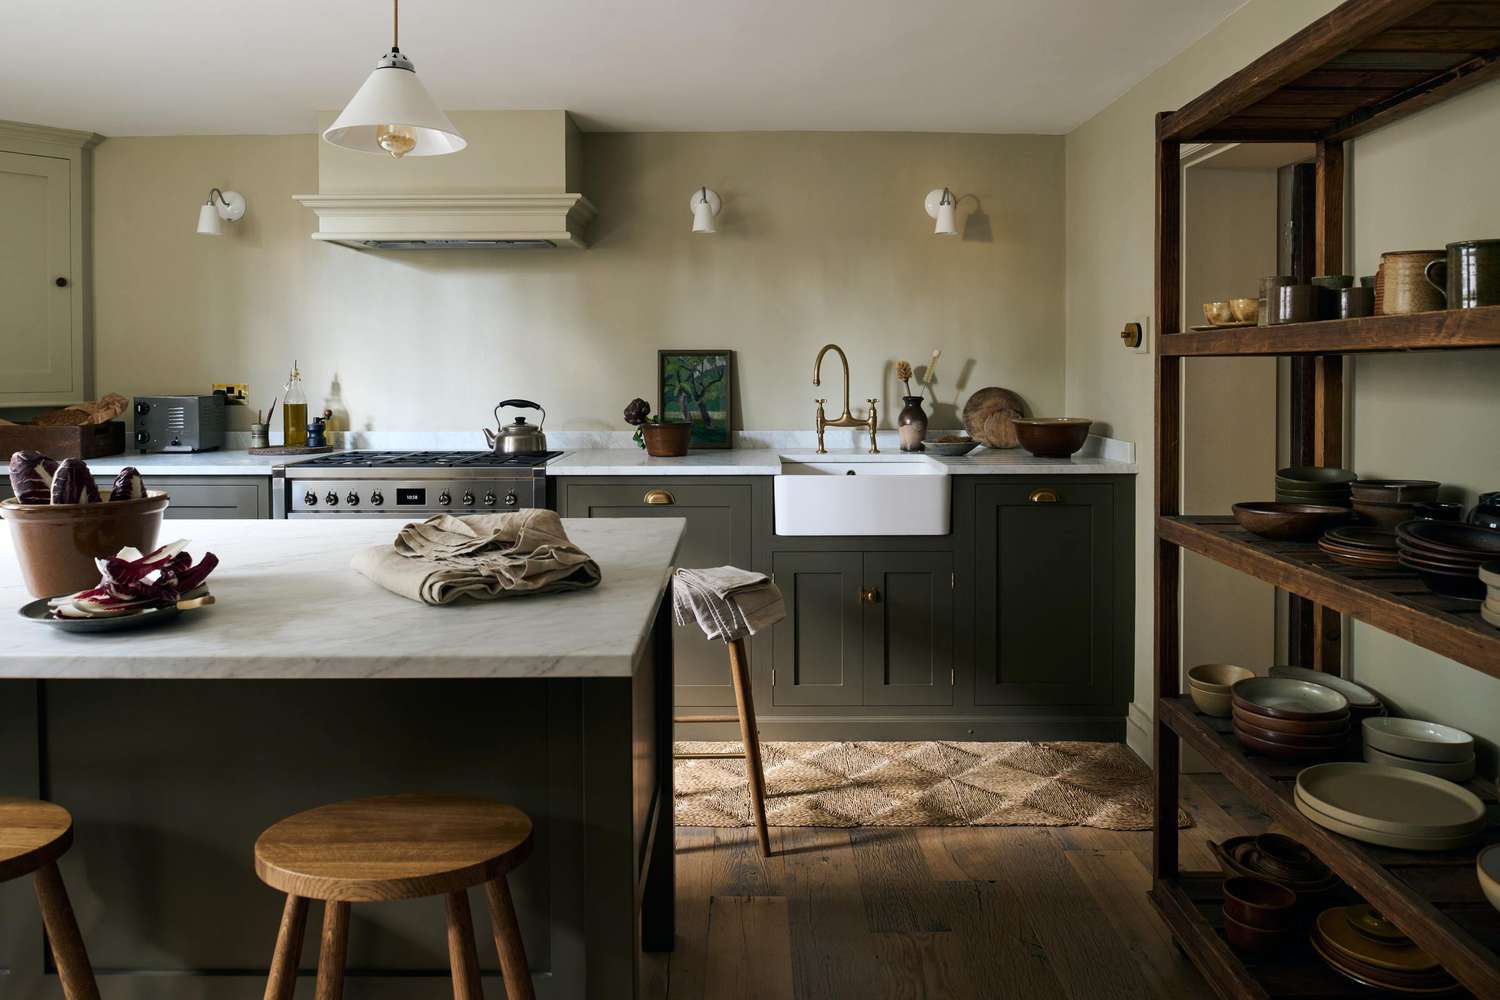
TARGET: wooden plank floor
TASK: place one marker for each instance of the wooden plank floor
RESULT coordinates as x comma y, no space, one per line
935,913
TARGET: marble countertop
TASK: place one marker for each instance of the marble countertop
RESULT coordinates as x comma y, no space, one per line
289,606
767,462
201,463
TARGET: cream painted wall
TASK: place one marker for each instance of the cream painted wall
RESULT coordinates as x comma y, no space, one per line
823,238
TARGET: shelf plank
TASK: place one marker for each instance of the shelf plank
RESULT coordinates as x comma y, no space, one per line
1394,601
1448,329
1461,936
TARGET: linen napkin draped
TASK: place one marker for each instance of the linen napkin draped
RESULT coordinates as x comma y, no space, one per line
481,556
726,602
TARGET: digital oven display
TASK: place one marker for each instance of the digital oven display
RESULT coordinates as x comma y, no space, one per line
411,497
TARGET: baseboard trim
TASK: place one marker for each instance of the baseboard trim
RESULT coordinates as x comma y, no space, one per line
1101,729
1138,731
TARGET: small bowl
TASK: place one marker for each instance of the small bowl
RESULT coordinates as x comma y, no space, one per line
950,449
1255,940
1487,867
1218,677
1218,313
1215,703
1288,522
1245,310
1258,903
1052,437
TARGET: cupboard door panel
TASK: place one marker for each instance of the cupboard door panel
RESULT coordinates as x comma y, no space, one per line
908,625
36,322
817,651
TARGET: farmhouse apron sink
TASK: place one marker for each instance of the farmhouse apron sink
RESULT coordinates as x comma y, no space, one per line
852,497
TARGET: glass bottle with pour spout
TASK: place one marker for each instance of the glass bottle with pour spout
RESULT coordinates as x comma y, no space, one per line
294,411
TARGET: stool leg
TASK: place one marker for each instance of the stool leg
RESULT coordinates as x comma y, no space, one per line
282,982
514,968
335,948
463,957
739,669
62,934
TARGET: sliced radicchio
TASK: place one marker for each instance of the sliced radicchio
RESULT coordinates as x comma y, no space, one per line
130,582
31,475
128,485
74,483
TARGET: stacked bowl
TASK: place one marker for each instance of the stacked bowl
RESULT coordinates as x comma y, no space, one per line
1385,503
1363,946
1314,484
1259,915
1280,859
1209,685
1290,719
1447,556
1441,751
1358,545
1489,575
1363,703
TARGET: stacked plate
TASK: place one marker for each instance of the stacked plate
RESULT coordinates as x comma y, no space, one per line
1447,556
1489,575
1374,548
1314,484
1387,502
1361,945
1292,719
1441,751
1390,806
1363,703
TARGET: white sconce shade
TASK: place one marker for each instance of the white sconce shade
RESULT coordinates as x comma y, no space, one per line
221,207
940,205
393,113
705,204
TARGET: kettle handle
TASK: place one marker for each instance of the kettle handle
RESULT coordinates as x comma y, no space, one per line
522,404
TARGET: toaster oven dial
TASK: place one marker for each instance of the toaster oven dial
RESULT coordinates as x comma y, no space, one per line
141,437
511,499
489,499
468,499
331,499
377,497
310,498
444,499
352,499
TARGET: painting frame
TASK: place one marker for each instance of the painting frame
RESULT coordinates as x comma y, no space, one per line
714,401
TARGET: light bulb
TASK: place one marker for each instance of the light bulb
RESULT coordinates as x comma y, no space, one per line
396,140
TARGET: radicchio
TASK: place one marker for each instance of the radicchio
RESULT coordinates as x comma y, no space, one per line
74,483
128,485
130,582
31,475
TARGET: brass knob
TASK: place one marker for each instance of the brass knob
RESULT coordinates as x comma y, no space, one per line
657,497
1132,335
1043,495
869,595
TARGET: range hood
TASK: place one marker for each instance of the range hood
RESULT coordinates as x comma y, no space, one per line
513,187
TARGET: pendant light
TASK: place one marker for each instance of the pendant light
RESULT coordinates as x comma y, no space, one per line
392,113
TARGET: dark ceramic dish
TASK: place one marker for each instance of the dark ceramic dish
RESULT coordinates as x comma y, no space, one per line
1439,510
1259,903
1330,741
1395,490
1288,522
1360,537
1263,727
1253,940
1242,856
1052,437
1384,515
1322,474
1457,539
1281,751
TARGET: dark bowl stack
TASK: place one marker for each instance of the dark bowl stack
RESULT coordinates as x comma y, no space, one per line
1358,545
1314,484
1447,556
1385,503
1290,719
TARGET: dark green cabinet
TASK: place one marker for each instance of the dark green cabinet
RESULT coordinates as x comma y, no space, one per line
1045,611
908,624
719,533
818,649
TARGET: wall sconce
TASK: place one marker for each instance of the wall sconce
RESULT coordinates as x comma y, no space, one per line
940,203
226,205
705,204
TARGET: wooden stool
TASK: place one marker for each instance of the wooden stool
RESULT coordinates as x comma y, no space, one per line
755,778
396,847
33,835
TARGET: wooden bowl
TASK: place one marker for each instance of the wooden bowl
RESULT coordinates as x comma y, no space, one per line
988,417
56,544
1288,522
1052,437
1259,903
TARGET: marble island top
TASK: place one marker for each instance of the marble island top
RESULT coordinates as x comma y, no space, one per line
289,606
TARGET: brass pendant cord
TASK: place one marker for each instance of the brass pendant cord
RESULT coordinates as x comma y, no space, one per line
395,25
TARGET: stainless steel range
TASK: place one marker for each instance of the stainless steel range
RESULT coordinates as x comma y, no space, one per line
410,484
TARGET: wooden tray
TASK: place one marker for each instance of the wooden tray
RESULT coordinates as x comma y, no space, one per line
88,441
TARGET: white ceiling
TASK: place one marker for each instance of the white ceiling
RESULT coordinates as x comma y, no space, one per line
149,67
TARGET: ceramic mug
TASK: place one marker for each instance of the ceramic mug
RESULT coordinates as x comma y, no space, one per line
1293,304
1469,275
1402,286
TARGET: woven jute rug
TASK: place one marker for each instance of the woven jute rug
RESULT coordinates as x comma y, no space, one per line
926,783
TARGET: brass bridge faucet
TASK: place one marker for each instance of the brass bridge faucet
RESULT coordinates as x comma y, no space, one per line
845,419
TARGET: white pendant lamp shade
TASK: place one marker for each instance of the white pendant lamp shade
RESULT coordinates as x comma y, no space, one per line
208,221
940,205
393,114
705,204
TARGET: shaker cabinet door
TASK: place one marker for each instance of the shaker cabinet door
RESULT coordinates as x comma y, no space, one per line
908,626
37,339
818,649
1044,594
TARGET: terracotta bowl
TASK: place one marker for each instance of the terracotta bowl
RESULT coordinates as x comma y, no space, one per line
1258,903
56,544
1052,437
1288,522
667,440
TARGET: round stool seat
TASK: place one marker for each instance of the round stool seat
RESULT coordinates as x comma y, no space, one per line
392,847
32,834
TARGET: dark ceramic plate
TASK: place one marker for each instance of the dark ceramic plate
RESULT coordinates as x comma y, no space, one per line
1450,585
1288,522
1457,539
1281,750
1360,537
1332,741
38,611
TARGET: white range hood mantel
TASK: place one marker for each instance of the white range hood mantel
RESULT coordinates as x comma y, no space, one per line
366,221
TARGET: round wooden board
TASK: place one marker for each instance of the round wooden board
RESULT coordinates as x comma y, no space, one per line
988,415
292,451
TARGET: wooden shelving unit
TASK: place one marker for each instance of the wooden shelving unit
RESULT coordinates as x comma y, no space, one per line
1363,65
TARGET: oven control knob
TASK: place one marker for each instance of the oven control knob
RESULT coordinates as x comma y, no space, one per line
489,499
444,498
310,498
352,499
468,499
511,499
377,497
331,499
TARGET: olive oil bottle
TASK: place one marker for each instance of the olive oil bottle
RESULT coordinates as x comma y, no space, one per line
294,412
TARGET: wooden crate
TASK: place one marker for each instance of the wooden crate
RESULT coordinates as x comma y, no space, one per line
92,441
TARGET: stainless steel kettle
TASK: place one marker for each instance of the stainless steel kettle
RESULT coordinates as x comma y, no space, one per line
518,438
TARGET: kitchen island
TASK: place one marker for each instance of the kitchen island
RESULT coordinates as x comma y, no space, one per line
174,746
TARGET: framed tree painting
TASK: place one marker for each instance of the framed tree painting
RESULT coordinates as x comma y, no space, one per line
695,386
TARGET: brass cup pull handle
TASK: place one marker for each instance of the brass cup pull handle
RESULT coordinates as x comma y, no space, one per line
1043,495
869,595
658,497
